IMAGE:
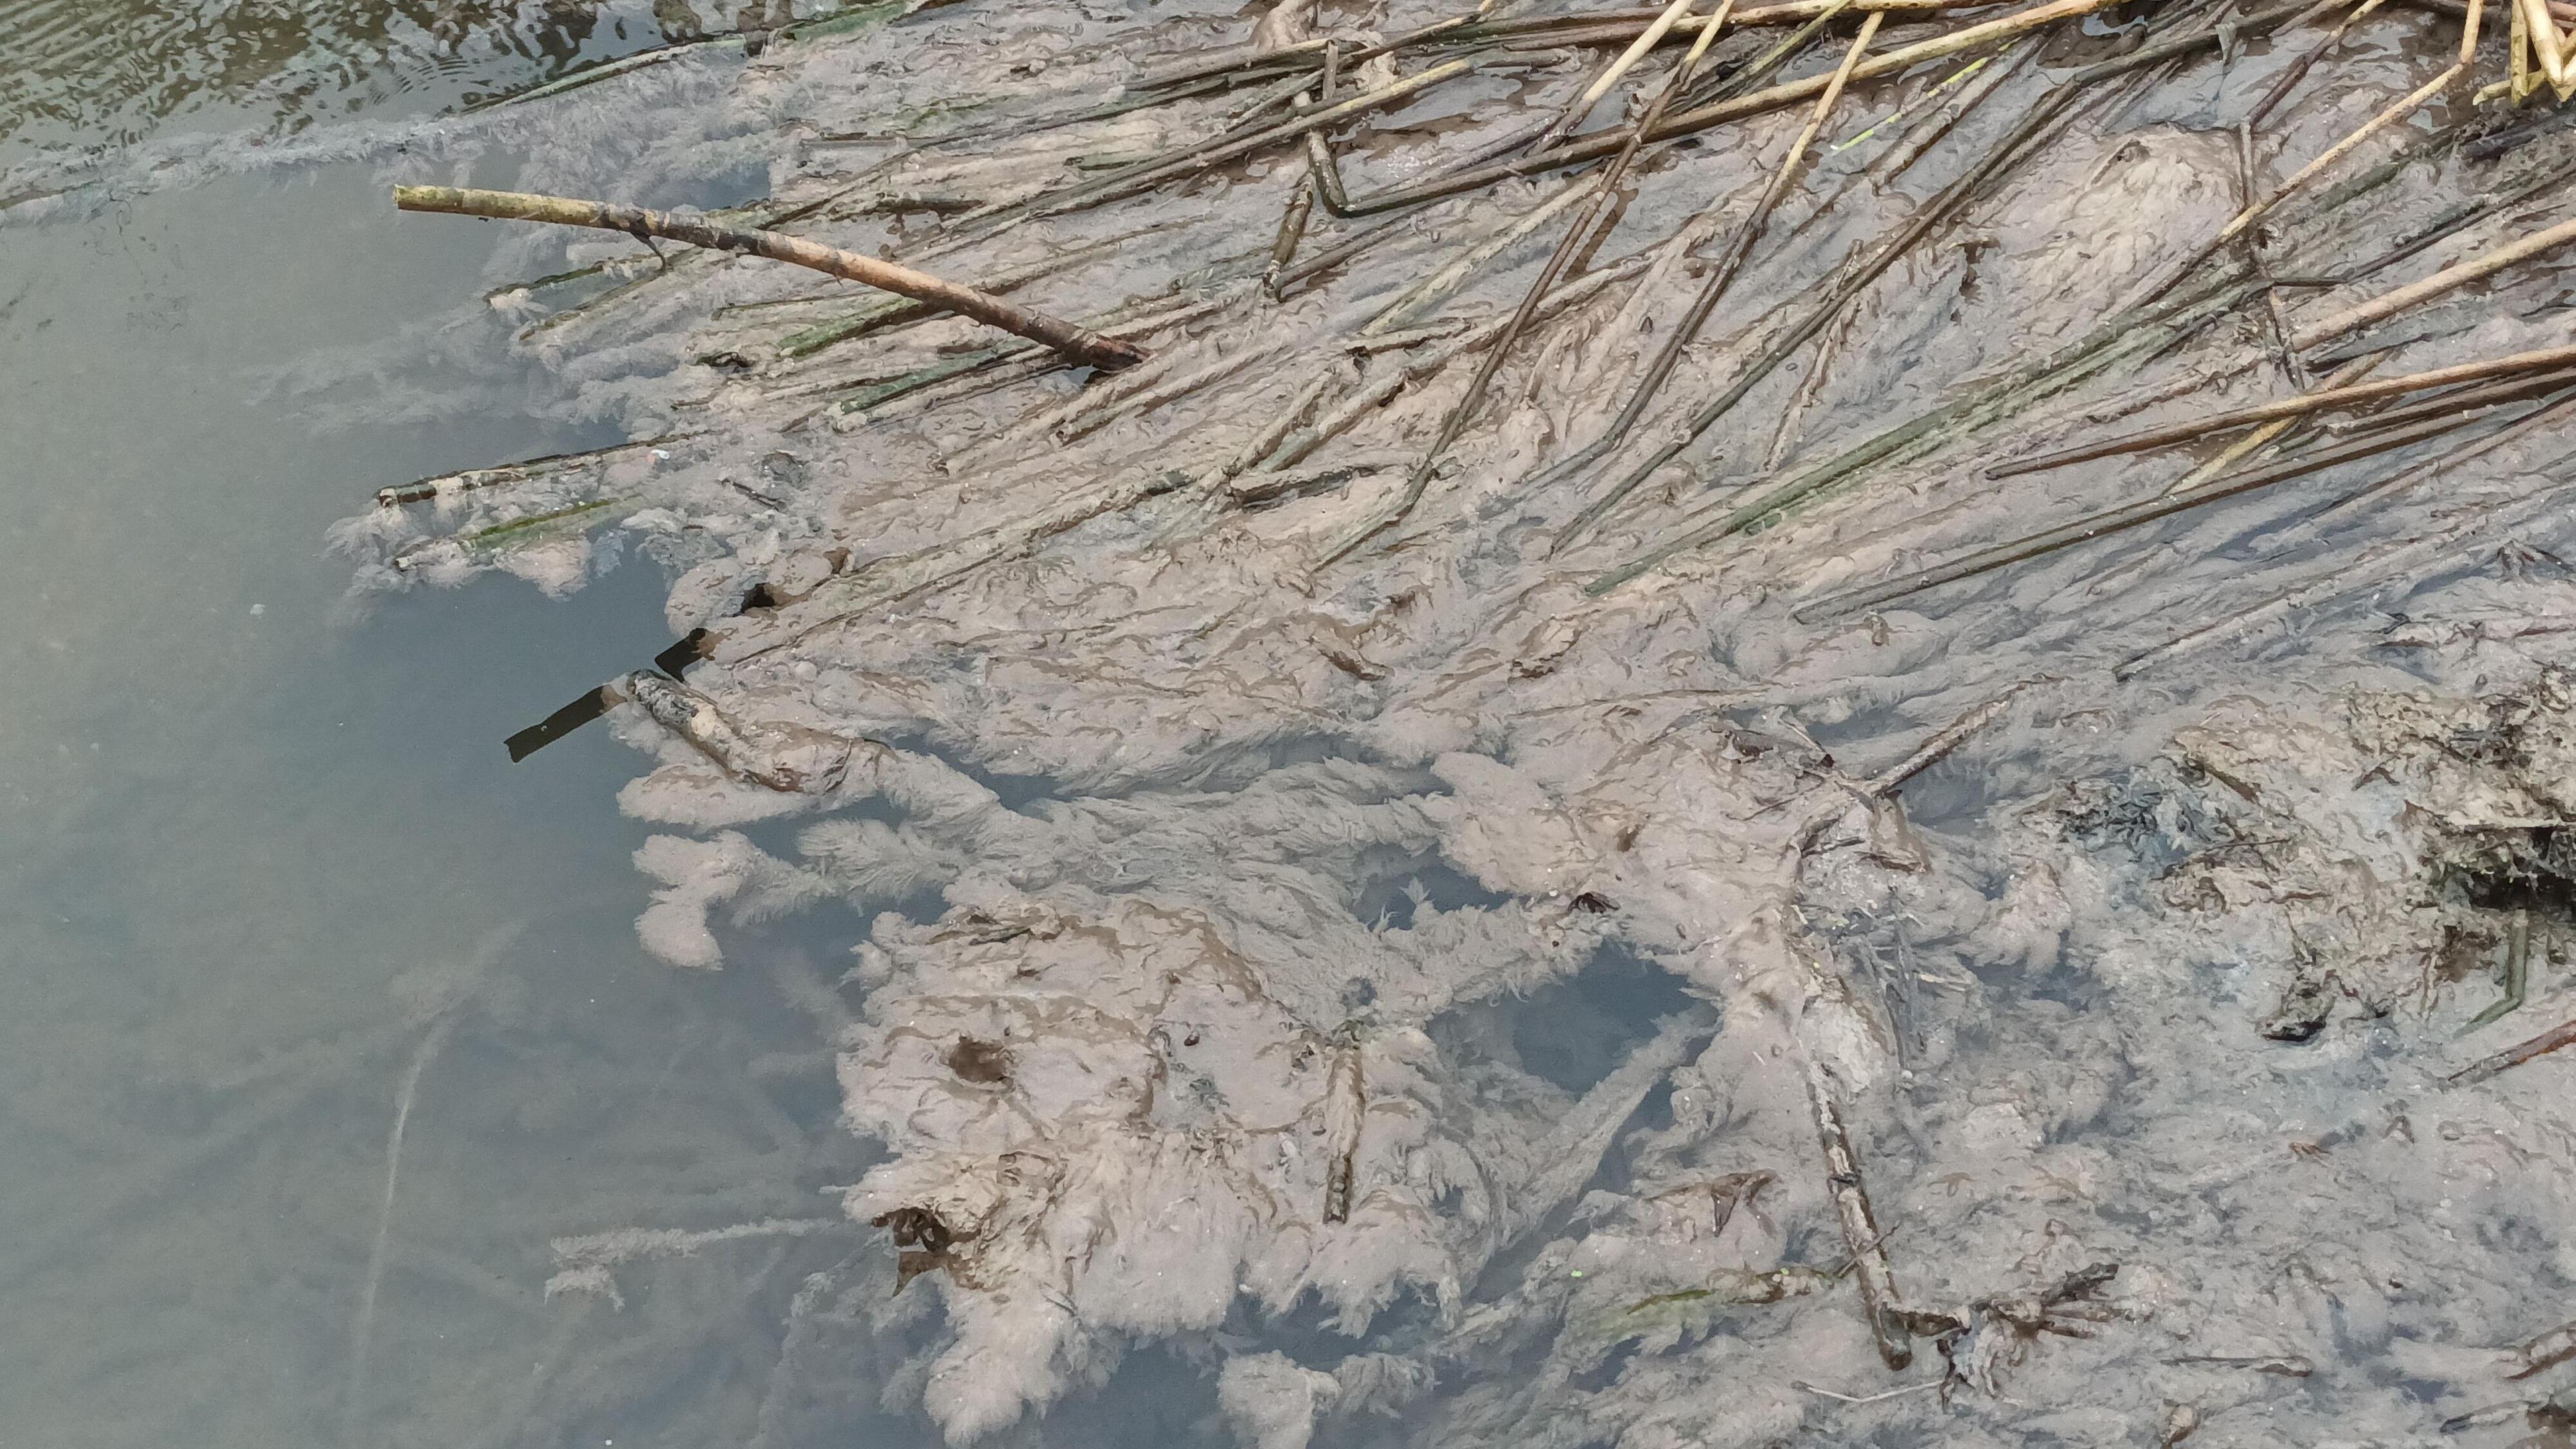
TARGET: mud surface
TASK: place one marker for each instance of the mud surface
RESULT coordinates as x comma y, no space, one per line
1394,996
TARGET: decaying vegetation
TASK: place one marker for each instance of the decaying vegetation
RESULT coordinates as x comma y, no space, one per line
1570,477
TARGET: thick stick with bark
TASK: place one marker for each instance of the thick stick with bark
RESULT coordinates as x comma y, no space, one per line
1078,343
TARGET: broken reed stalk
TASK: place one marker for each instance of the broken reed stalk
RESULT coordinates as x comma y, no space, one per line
1997,67
1292,230
2553,409
1230,61
2404,106
1571,114
1425,296
598,71
448,485
998,216
2118,520
885,313
2297,70
766,217
1647,39
1601,27
882,581
1877,1279
2130,335
2548,1041
2548,1350
1881,1304
1586,232
2561,10
1792,12
1936,97
1785,435
1598,144
2255,208
2262,438
1942,743
1190,161
2531,384
2291,407
2454,219
1136,99
2048,112
2517,973
1153,397
1343,250
1748,234
2448,279
2545,47
1079,343
1762,67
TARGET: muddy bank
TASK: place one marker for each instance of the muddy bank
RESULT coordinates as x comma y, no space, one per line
2038,993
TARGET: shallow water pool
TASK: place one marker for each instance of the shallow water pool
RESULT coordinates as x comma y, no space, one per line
322,1019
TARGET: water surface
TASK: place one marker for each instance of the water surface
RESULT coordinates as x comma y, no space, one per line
83,74
265,863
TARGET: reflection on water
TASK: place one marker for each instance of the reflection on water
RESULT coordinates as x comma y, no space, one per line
83,71
269,887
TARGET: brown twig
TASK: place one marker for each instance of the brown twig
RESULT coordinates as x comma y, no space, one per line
2348,576
2388,115
1076,342
2297,70
2546,1351
2513,1056
2460,400
2262,438
1877,1278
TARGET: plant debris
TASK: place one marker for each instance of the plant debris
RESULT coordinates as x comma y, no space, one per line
1517,555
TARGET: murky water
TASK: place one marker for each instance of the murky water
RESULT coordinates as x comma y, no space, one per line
84,74
268,877
1303,997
